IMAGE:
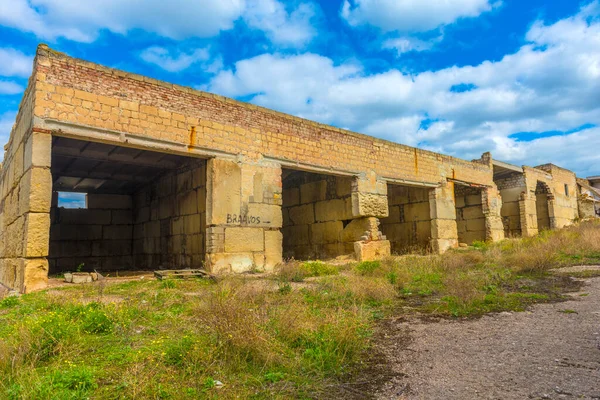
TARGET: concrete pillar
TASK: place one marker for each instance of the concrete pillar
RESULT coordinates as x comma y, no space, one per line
528,214
552,212
243,216
369,203
492,207
444,233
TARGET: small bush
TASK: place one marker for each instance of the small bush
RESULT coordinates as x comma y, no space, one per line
9,302
368,267
168,284
319,268
95,320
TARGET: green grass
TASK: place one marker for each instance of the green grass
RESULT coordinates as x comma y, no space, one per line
147,339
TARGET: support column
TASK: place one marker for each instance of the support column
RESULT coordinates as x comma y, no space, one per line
369,203
492,207
444,233
552,211
243,216
528,214
25,212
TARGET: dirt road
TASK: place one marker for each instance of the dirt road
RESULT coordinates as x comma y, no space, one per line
549,352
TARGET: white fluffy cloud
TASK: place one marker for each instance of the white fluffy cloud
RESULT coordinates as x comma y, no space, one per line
176,19
551,83
281,27
9,87
410,15
79,21
14,63
6,122
164,58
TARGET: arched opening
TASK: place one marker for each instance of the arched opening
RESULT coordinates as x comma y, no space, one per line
543,196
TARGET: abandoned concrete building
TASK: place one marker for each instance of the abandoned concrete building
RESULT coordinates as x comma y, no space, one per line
177,178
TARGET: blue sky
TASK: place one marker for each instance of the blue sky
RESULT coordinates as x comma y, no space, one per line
518,78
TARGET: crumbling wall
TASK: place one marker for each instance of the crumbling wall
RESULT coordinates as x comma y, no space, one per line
563,190
511,190
170,220
470,219
316,209
543,196
99,236
409,223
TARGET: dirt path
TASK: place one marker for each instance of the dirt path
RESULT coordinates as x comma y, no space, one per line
549,352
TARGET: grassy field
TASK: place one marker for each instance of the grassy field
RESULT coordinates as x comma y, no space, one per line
296,334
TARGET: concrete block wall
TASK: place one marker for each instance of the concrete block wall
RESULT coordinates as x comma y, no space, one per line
408,225
470,217
99,236
316,209
169,218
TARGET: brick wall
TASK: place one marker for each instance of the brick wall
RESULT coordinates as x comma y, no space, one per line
84,94
409,224
99,236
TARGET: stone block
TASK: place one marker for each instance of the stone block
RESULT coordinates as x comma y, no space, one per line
109,201
473,200
417,212
269,214
371,251
472,212
117,232
35,275
291,197
301,215
166,208
84,217
111,248
76,232
444,229
192,224
242,239
343,186
476,225
223,263
370,184
295,235
223,195
423,231
273,249
35,194
38,149
37,235
369,205
326,232
333,210
313,191
121,217
357,228
510,209
187,202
